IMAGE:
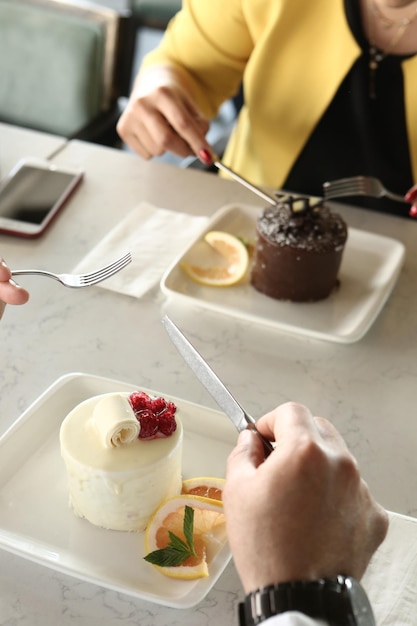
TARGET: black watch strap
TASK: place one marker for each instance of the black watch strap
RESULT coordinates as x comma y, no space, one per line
340,601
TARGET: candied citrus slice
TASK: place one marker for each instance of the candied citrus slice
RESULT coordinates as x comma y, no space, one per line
209,533
204,486
233,251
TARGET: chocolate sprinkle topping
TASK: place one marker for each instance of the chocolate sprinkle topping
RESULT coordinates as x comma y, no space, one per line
297,223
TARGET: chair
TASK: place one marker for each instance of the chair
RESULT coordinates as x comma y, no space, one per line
63,66
150,18
154,13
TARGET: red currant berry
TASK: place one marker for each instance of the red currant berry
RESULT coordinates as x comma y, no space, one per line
148,424
170,409
167,424
139,400
158,405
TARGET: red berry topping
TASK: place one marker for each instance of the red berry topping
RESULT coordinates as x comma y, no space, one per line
158,405
167,424
148,424
156,416
140,400
171,408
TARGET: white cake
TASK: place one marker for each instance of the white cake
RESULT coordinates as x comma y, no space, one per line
115,478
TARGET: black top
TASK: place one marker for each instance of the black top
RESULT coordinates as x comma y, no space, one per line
360,135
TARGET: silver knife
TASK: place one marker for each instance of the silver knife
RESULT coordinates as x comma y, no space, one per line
212,383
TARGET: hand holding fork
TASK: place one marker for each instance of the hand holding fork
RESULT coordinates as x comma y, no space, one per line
11,293
367,186
411,196
82,280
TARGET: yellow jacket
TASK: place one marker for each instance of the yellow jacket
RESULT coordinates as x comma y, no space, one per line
294,54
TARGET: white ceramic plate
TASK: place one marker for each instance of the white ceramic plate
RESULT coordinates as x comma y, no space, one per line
36,522
370,267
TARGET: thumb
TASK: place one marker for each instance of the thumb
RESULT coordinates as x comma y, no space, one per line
245,457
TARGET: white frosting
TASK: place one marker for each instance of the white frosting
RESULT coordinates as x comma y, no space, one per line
117,487
116,421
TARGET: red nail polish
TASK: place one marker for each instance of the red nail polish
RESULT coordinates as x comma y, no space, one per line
411,194
413,211
205,156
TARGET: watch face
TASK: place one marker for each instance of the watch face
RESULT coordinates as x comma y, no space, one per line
361,607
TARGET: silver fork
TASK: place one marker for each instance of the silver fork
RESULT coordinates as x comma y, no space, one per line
358,186
82,280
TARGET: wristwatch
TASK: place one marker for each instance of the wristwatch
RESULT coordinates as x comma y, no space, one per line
341,601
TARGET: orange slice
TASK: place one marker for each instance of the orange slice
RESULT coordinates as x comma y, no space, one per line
234,253
209,533
205,487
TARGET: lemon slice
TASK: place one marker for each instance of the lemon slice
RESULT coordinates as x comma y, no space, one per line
209,533
204,487
233,251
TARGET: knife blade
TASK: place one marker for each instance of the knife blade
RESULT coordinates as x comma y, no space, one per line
212,383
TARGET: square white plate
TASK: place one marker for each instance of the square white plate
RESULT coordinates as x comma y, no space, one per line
370,267
37,523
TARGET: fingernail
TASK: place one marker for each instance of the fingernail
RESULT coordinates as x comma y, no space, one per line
205,156
411,194
245,437
413,211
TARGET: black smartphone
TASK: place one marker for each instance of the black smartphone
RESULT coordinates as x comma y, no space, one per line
32,194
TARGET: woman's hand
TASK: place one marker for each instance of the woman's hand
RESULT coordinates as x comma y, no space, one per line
10,292
161,116
304,512
411,196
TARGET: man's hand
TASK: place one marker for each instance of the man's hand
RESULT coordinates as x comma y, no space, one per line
304,512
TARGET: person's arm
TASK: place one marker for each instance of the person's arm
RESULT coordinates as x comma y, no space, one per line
10,292
161,115
181,84
303,514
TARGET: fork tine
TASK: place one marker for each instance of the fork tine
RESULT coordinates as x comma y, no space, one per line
337,191
109,267
107,271
344,187
359,186
330,187
92,280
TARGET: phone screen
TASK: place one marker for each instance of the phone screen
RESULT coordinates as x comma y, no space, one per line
32,193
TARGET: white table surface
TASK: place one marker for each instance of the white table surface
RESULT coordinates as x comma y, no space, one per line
368,389
18,143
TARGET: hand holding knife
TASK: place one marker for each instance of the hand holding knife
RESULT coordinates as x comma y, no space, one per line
213,384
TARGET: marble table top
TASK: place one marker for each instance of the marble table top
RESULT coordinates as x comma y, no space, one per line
368,388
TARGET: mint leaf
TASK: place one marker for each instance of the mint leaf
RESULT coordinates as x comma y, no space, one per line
189,528
177,551
177,542
167,557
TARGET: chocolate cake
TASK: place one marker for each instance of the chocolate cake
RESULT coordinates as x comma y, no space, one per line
298,250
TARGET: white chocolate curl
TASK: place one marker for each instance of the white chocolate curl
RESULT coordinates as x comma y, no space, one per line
116,422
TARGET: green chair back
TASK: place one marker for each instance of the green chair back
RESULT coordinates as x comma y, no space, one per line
57,64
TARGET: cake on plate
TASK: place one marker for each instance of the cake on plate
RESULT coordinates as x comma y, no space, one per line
298,250
123,457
